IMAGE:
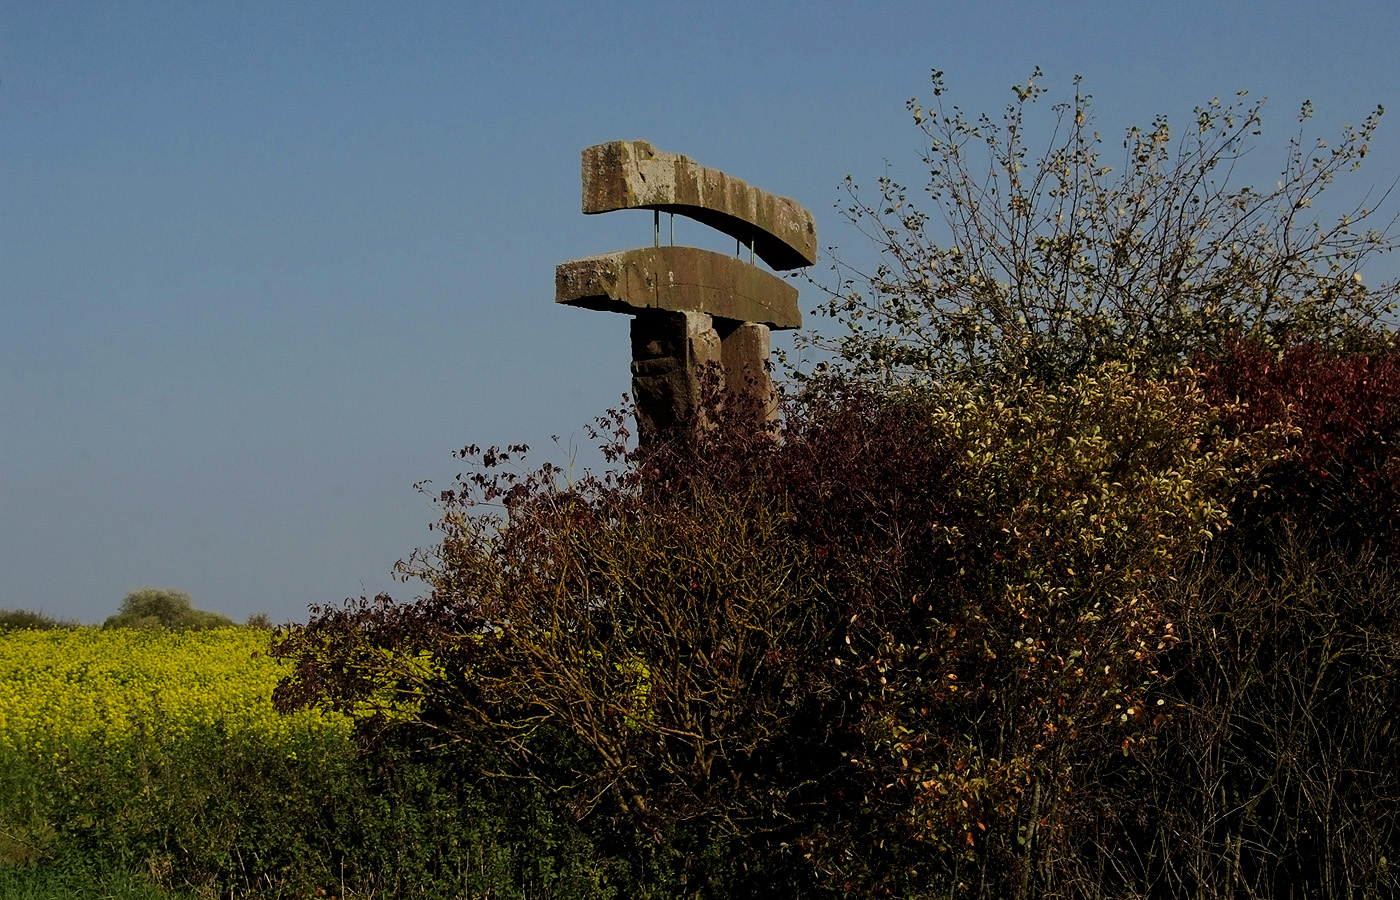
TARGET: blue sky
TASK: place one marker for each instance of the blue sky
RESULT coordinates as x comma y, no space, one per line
263,266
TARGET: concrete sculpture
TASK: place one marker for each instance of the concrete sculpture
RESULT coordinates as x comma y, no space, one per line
691,308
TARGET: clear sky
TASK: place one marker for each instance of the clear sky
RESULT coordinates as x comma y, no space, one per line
264,265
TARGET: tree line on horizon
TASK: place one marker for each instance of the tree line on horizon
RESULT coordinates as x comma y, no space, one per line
147,608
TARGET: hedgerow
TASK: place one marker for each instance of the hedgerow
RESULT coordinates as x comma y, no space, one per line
1069,574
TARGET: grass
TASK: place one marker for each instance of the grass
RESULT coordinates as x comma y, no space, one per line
53,882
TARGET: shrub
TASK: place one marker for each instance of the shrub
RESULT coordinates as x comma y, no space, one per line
17,619
1048,265
1274,769
1342,475
641,666
150,608
876,652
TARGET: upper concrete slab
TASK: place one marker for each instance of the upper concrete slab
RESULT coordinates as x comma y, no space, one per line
634,175
680,279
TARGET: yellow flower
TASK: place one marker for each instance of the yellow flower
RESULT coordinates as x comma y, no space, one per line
104,687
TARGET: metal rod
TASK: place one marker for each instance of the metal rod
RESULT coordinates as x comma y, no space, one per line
673,229
656,228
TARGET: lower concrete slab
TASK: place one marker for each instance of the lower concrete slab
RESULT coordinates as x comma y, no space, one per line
679,279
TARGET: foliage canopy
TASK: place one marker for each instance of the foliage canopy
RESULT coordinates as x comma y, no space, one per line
20,619
150,607
1047,265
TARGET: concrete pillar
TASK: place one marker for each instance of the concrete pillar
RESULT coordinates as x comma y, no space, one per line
670,353
744,348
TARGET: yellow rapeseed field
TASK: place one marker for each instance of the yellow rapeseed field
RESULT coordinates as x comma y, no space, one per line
89,686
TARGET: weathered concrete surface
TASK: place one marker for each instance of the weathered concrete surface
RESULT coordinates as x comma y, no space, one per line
670,350
680,279
672,354
744,357
634,175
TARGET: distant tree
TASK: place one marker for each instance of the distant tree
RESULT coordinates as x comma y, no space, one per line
151,608
19,619
259,621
